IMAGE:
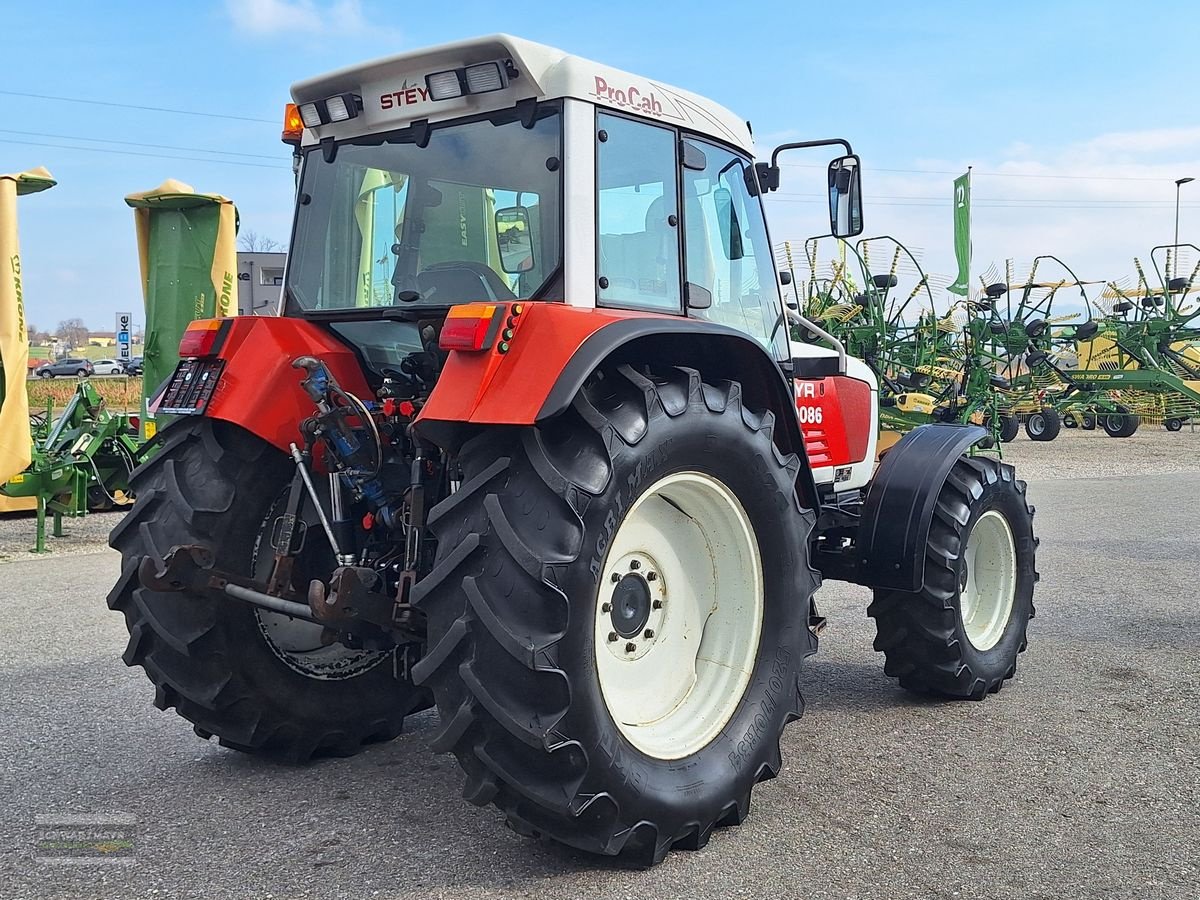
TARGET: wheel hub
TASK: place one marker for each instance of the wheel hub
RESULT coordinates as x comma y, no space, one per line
630,605
634,610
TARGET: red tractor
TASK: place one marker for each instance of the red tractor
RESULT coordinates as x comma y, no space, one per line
529,442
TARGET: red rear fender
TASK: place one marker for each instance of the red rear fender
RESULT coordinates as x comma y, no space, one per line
260,391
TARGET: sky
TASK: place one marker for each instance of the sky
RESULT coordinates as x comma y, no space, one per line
1077,118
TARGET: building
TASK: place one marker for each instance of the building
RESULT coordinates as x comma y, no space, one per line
260,281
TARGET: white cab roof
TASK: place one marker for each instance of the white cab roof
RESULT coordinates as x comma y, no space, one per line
393,90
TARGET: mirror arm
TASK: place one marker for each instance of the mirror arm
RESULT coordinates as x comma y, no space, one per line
816,329
768,173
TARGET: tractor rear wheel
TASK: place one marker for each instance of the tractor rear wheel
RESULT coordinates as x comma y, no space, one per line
1043,425
959,636
618,613
1119,424
260,681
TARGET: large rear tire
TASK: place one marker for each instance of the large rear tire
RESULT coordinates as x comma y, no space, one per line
600,543
960,635
260,682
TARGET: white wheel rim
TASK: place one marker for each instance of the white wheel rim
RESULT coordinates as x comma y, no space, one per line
990,569
686,557
1036,424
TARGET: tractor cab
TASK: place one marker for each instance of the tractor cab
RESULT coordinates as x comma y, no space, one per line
499,171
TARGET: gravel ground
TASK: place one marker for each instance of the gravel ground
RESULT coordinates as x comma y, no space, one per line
1087,454
1079,780
18,533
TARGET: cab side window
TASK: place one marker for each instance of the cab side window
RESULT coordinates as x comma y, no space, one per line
728,253
637,253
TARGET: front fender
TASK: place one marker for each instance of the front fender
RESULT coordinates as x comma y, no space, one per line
894,527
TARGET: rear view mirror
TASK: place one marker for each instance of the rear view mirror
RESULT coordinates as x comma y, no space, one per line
845,197
515,239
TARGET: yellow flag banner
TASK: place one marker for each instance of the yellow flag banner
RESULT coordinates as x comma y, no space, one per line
16,442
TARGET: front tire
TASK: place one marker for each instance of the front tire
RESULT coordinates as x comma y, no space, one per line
960,635
258,683
546,552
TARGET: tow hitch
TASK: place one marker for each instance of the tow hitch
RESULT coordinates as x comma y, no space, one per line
350,604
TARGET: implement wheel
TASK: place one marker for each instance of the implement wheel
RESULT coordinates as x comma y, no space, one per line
960,635
260,681
618,613
1119,424
1043,425
1173,424
1009,428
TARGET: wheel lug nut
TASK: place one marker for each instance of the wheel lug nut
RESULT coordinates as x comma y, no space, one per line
616,576
612,637
648,633
652,576
605,607
657,604
630,647
634,565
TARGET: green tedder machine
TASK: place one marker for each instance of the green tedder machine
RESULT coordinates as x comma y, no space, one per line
1137,360
933,365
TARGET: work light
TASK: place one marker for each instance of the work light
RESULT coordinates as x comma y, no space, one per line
310,115
444,85
484,78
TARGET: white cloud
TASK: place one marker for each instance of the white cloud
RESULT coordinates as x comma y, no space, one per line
278,17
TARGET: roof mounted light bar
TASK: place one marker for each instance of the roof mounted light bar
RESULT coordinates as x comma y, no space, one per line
481,78
338,108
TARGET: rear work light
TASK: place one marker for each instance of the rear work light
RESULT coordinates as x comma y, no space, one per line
471,326
338,108
482,78
309,115
203,337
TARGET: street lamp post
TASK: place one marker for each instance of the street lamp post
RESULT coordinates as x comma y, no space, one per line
1180,182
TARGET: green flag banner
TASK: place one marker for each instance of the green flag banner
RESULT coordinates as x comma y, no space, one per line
962,233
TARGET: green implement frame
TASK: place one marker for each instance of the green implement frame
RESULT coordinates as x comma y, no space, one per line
81,461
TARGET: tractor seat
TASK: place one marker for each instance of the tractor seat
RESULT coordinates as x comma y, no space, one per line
458,281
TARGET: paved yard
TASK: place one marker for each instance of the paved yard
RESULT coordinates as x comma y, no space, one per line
1080,779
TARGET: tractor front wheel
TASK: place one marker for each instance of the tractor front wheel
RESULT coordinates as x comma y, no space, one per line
260,681
959,636
618,613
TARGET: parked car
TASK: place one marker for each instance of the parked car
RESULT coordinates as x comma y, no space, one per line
133,366
70,366
107,367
